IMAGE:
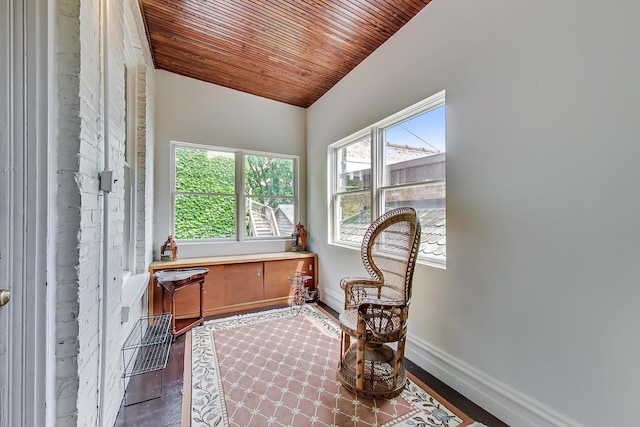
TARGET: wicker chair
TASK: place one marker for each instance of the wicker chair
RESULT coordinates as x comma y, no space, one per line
377,307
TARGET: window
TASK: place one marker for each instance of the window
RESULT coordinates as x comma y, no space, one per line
129,172
204,196
269,198
399,161
207,200
353,192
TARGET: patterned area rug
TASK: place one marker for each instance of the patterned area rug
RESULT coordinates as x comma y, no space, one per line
275,369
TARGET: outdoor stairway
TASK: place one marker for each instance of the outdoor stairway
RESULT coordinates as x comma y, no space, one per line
262,227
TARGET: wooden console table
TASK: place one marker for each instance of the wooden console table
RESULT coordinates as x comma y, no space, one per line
172,281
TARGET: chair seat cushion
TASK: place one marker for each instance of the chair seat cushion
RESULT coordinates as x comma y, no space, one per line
349,321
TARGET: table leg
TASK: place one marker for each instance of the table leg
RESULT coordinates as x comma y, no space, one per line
173,316
201,298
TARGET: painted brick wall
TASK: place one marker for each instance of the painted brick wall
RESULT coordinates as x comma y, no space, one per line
144,205
146,110
144,157
80,228
91,161
113,385
69,203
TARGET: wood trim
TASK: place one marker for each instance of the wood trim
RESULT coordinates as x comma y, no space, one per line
26,337
230,260
236,307
290,51
146,31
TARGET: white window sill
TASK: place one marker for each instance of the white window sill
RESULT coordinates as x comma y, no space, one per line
133,287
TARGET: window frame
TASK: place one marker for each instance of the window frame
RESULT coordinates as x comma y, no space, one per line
239,191
130,159
174,145
294,198
378,187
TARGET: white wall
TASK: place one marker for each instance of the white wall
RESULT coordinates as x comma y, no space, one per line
88,257
192,111
536,314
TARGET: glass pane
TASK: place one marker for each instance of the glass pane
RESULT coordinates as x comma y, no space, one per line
205,217
204,171
126,232
354,166
353,217
270,176
426,196
414,150
269,217
429,202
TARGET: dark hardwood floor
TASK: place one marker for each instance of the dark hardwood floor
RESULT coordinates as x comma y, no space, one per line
165,411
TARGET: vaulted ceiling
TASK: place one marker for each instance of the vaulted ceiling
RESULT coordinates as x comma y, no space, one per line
291,51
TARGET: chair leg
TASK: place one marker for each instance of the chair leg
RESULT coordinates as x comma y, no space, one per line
346,342
360,365
360,354
342,338
172,308
399,361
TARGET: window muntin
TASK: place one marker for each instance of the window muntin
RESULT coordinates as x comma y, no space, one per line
206,204
406,168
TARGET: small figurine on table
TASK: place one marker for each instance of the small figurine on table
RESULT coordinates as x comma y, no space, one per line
169,251
302,236
174,248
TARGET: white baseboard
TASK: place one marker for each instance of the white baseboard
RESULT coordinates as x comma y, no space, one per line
501,400
511,406
332,299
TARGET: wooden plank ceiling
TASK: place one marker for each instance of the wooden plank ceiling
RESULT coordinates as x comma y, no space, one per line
291,51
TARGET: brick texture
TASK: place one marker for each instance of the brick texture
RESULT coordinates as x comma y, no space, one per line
80,266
